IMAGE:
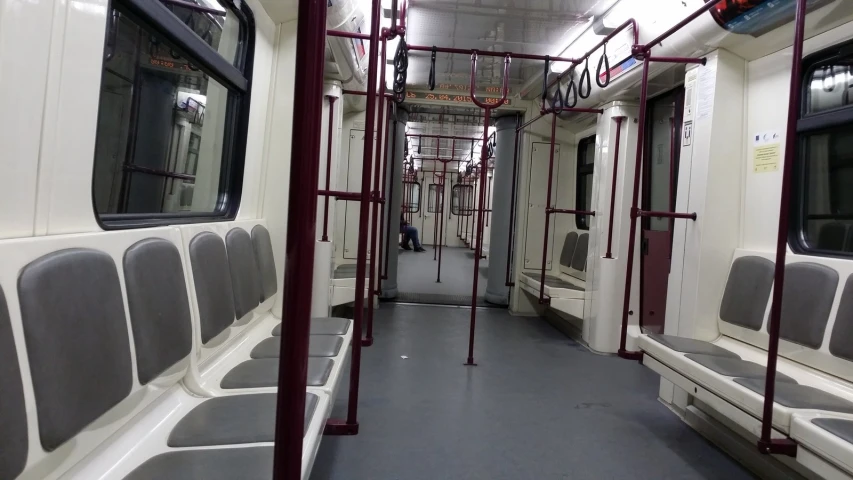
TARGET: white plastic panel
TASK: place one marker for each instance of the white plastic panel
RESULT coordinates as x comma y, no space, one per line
536,199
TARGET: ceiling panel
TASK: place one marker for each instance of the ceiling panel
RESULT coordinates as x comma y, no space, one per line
520,26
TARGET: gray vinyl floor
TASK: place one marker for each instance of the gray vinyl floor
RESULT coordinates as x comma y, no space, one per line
417,274
538,407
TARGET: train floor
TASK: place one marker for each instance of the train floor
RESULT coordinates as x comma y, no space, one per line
417,274
538,407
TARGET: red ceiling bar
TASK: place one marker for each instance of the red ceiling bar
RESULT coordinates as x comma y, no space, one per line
301,240
328,166
354,92
542,299
509,249
609,253
374,220
445,137
350,425
340,195
484,154
468,51
678,26
766,444
570,211
353,35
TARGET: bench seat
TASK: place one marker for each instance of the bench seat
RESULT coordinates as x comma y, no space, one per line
323,326
826,443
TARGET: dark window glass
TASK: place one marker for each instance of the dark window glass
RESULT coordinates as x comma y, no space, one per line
171,136
586,167
411,197
823,187
436,198
462,200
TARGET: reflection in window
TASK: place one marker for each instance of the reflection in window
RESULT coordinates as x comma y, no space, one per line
829,86
586,167
828,182
436,198
411,197
165,127
462,200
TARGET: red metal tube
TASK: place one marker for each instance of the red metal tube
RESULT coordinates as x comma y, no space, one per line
487,114
609,253
354,92
340,195
542,299
383,259
328,166
350,427
463,51
509,248
632,232
651,213
700,61
766,444
353,35
445,137
678,26
441,214
389,196
374,218
301,239
546,111
488,106
672,159
488,198
550,211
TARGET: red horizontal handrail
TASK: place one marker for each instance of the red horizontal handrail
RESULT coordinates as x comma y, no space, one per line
353,196
342,34
465,51
656,214
570,211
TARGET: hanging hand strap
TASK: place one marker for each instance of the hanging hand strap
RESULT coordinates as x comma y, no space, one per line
432,69
603,62
585,80
401,65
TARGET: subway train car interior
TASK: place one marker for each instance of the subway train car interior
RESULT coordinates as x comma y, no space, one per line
426,239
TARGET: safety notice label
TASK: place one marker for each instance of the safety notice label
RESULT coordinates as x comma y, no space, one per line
766,152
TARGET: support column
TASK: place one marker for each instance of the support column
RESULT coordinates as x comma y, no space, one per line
394,201
496,290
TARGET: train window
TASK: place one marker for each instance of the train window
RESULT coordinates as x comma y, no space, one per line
411,197
583,190
461,200
436,198
823,191
173,112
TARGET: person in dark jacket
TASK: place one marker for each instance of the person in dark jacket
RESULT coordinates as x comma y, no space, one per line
410,233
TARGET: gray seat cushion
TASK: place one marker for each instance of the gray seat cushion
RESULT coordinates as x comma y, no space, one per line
323,326
581,250
800,396
158,305
245,276
318,346
266,261
735,367
747,291
77,340
212,279
839,427
263,372
552,281
253,463
13,411
233,420
806,301
689,345
568,250
840,343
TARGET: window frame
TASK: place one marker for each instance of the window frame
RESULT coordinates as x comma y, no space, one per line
417,198
438,196
458,211
582,222
155,17
809,124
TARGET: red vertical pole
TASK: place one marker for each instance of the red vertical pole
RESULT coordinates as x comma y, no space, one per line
488,198
380,258
767,444
672,157
510,283
301,238
328,166
609,253
388,196
542,299
632,231
477,252
351,425
374,220
441,214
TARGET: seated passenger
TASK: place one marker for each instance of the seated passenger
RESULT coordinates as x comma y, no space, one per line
409,233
